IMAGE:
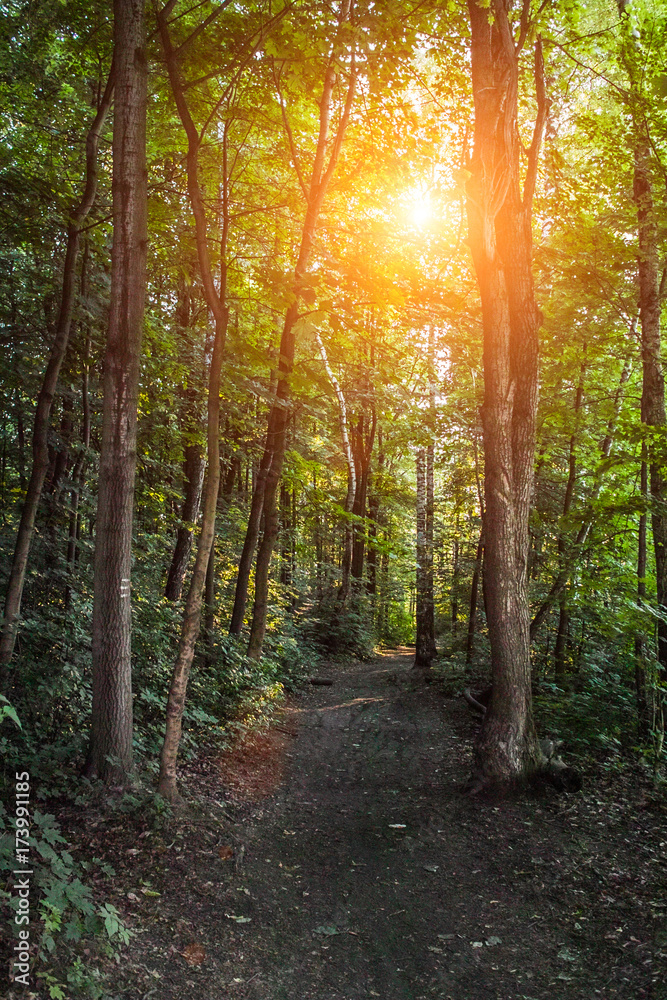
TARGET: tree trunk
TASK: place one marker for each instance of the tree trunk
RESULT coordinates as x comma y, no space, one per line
79,473
362,446
110,753
217,304
640,640
40,444
474,591
569,559
648,271
280,411
455,584
561,641
563,614
193,479
351,473
424,644
499,218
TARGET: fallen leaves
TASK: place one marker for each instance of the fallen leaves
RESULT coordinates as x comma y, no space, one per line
194,954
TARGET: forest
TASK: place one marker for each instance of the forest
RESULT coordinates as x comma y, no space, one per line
332,407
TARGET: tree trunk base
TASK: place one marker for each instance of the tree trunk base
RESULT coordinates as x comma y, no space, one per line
553,777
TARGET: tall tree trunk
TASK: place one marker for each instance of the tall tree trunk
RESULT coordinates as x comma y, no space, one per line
193,480
274,453
560,649
563,612
474,591
40,434
499,218
193,464
640,640
362,442
569,558
110,752
79,473
217,303
648,270
455,584
424,644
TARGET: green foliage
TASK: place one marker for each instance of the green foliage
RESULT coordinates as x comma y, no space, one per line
68,915
341,629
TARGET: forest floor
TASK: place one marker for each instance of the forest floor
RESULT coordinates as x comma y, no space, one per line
348,865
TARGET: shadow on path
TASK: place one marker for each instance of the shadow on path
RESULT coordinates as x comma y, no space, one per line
367,873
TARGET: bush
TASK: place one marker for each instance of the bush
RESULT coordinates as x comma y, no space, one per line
341,630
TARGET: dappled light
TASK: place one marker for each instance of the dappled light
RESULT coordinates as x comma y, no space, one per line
333,548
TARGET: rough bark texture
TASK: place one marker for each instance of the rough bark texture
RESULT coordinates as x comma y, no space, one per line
111,733
499,218
40,444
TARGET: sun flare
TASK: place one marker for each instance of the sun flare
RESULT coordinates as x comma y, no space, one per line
421,210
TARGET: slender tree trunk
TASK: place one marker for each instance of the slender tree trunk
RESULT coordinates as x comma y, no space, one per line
648,271
474,591
209,604
640,640
217,303
428,596
362,447
560,648
570,557
563,612
455,584
40,444
193,479
20,441
110,752
280,411
78,476
424,645
499,216
193,463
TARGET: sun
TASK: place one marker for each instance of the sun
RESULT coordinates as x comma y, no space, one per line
421,210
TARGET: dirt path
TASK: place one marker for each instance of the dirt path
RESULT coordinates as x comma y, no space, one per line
367,874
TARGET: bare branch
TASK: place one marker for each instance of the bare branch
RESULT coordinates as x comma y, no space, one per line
288,130
543,105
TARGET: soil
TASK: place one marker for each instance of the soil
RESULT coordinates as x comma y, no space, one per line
348,864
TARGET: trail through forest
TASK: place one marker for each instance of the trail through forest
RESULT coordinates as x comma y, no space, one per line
359,870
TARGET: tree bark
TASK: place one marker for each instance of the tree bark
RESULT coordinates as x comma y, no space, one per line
499,218
40,447
110,752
